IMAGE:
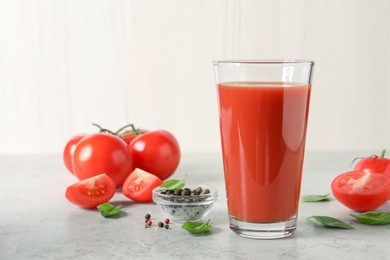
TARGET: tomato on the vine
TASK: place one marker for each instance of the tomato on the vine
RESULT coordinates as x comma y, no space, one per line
139,184
69,150
102,153
361,191
91,192
129,135
157,152
374,164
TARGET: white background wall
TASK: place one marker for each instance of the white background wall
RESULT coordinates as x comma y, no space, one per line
66,64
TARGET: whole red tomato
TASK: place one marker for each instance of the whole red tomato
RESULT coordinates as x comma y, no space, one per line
102,153
374,164
129,135
69,150
157,152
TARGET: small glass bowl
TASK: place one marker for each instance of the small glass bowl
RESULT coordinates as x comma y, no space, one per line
186,208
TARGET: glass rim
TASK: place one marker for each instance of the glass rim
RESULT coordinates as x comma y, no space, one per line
261,62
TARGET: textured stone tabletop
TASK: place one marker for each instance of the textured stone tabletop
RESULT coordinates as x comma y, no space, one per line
37,222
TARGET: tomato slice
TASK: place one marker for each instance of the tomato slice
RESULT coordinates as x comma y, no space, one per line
361,191
91,192
139,185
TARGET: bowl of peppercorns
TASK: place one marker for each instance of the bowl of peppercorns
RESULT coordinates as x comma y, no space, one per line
186,204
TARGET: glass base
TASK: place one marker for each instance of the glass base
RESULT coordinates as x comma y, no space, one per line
263,230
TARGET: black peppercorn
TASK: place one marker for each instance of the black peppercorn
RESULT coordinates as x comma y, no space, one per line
185,192
205,191
177,192
198,191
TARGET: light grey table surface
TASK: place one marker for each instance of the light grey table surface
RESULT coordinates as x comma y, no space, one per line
37,222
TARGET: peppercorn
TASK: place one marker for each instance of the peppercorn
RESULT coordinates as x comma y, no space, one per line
205,191
160,224
185,192
166,221
147,216
177,192
166,226
198,191
149,223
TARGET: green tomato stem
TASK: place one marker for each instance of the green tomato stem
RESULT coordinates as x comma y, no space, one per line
383,153
131,125
104,130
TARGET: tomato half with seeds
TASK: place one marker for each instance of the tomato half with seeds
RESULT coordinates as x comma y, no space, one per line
361,191
139,185
91,192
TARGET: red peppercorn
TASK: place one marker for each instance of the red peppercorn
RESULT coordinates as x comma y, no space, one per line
166,221
149,223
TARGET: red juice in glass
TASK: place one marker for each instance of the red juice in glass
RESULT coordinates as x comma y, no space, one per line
263,109
263,129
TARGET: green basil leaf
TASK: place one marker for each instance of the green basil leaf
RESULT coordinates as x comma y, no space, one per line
373,218
108,210
197,227
316,198
173,184
331,222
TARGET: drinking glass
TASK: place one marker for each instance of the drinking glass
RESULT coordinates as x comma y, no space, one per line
263,111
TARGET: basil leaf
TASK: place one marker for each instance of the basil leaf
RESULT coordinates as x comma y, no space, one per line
316,198
173,184
108,210
373,218
331,222
197,227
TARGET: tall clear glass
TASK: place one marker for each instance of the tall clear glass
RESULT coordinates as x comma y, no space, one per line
263,109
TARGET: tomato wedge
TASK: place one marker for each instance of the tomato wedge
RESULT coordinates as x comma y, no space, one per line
91,192
139,185
361,191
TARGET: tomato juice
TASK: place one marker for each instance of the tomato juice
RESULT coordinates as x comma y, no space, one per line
263,132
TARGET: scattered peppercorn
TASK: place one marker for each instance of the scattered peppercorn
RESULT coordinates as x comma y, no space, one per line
149,223
160,224
166,221
166,226
147,216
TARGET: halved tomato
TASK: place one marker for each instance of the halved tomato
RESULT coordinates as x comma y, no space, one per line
91,192
361,191
139,185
